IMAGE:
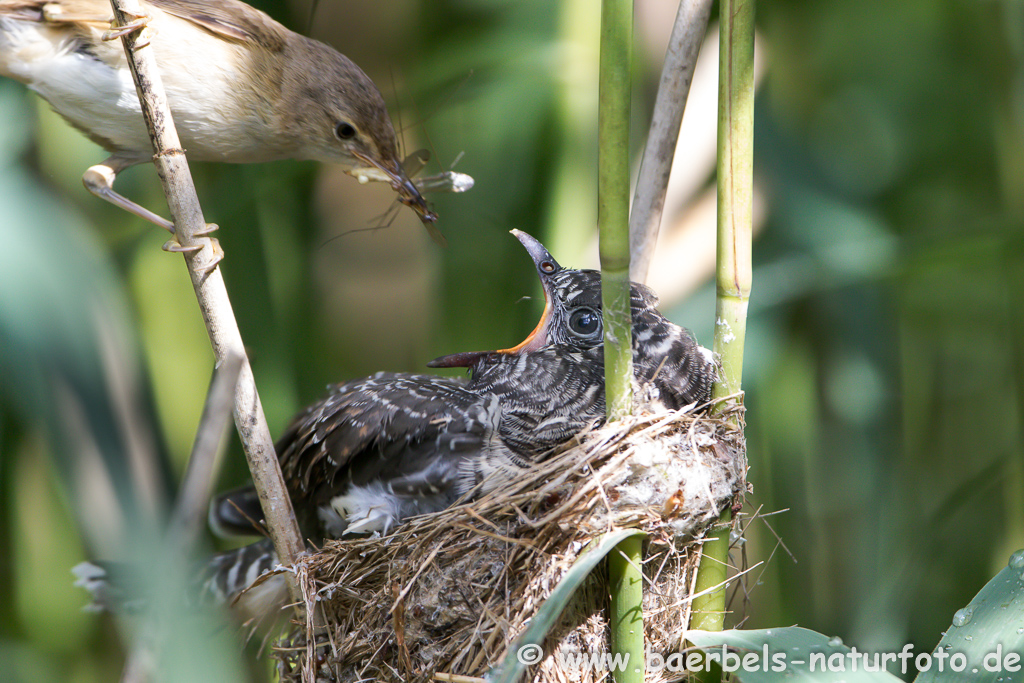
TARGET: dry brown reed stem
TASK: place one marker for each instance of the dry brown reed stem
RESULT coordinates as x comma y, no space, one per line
211,293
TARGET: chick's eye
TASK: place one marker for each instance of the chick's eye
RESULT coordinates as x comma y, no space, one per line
585,322
345,131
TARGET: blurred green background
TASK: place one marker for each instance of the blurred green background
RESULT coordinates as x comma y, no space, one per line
884,366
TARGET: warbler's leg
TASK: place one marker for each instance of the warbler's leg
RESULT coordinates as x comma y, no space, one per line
99,180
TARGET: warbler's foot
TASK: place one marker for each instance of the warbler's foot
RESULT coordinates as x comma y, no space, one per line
218,252
138,23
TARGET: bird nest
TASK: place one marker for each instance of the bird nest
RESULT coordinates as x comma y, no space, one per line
445,596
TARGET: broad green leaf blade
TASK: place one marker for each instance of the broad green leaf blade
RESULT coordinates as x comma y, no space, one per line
988,633
512,668
789,654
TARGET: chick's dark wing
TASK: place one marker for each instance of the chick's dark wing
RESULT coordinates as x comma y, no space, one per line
380,427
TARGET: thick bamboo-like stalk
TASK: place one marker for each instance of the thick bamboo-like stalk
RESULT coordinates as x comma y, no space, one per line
627,634
626,616
673,89
709,608
613,201
211,293
735,188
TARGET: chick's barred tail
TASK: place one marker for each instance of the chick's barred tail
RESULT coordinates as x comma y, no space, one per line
236,578
242,579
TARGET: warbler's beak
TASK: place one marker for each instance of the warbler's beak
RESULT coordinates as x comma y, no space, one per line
407,191
546,266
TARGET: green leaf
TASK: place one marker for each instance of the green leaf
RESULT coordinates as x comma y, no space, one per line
532,639
989,632
791,654
985,642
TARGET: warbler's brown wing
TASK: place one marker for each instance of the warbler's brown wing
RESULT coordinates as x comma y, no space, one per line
231,19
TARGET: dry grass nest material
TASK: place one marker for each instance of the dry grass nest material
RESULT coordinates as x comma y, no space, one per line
448,593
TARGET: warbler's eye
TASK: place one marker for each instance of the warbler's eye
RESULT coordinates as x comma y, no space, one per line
344,131
585,322
547,266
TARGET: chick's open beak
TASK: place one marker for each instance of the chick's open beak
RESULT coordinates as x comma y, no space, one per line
538,338
546,266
